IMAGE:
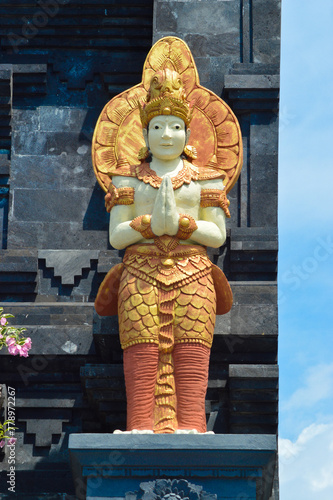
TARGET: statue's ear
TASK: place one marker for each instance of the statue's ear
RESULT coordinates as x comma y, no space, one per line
145,136
188,133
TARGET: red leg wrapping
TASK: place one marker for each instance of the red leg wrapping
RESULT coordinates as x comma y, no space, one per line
140,369
191,362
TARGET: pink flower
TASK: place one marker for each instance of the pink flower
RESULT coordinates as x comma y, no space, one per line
2,443
24,351
3,321
11,441
17,348
27,342
13,349
1,336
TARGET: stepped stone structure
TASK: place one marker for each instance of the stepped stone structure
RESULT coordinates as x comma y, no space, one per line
60,62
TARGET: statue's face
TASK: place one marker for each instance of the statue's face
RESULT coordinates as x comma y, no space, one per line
167,137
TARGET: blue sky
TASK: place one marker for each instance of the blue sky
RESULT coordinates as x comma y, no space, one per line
306,251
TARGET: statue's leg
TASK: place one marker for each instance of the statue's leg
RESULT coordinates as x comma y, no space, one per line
191,362
138,330
140,369
194,329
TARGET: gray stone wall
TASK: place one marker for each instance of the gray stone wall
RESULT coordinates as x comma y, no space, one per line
55,201
223,33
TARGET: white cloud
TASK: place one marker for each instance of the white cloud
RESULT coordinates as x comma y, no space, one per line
306,465
312,397
318,387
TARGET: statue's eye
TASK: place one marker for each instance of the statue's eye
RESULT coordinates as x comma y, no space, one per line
156,127
177,127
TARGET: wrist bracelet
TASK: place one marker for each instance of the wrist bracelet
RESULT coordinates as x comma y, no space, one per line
142,225
187,226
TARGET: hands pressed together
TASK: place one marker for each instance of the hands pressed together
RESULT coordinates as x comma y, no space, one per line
165,216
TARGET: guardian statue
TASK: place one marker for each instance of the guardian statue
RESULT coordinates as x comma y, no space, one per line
167,151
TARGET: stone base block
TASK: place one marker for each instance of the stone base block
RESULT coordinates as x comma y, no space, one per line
148,467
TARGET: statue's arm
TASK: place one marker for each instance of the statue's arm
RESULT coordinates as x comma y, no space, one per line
121,234
211,230
211,224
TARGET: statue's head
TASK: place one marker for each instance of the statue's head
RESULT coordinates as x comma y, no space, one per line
166,111
166,137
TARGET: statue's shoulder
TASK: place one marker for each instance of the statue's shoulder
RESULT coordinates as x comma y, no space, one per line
125,170
205,173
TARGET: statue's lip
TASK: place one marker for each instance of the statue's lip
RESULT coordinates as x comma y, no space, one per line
166,145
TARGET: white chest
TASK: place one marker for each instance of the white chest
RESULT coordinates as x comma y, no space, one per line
187,198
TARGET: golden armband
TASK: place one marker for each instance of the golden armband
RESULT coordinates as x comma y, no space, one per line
187,226
118,196
215,198
142,225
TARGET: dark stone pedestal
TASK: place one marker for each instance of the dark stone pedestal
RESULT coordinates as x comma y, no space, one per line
132,466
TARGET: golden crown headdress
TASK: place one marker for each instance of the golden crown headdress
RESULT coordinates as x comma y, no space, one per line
215,131
166,96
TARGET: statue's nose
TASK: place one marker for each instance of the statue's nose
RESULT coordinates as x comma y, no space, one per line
166,132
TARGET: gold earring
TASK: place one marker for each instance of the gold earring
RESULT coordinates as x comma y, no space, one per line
190,152
143,153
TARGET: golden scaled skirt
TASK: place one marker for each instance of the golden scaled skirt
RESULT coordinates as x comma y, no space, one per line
166,299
